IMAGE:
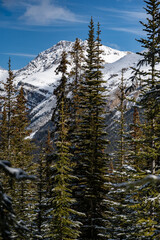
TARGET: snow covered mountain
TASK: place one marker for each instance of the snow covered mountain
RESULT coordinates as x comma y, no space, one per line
39,79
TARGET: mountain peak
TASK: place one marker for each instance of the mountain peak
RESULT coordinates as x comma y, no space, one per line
64,43
51,57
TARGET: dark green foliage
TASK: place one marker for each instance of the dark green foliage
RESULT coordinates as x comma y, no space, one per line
79,191
8,105
22,158
15,146
62,224
40,220
76,74
150,80
8,221
135,141
62,89
63,227
3,129
118,217
91,191
122,143
22,147
147,150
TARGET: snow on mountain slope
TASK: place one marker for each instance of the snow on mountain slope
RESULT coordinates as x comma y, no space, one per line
39,78
111,74
40,72
47,59
3,77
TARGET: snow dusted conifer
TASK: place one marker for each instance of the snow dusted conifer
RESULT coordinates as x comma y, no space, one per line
76,75
92,142
9,224
118,220
146,197
135,141
150,81
7,126
62,226
121,153
40,220
3,130
22,149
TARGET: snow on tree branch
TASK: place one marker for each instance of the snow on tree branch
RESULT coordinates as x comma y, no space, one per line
17,173
148,179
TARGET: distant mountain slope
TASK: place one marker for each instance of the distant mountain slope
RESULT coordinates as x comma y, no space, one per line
39,79
40,75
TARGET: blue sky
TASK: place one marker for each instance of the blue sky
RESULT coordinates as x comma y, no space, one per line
28,27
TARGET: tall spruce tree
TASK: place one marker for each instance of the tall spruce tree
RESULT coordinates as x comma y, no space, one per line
3,130
22,155
150,80
118,224
92,142
135,141
76,74
22,147
121,153
40,220
7,126
63,226
146,197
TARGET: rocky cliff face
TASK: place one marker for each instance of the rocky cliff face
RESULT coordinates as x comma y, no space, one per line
39,80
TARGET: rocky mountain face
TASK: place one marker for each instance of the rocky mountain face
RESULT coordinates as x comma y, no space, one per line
39,79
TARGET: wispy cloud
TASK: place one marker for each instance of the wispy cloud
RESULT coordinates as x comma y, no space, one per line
46,12
41,12
113,45
128,15
129,30
20,54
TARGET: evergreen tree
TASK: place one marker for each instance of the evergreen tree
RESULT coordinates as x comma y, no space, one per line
22,156
92,143
118,224
62,89
15,146
135,141
62,225
9,224
122,125
76,74
49,172
7,126
150,80
146,198
3,130
42,196
40,220
22,146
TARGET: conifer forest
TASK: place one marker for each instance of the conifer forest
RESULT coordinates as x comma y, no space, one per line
74,185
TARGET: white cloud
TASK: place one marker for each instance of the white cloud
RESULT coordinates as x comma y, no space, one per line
41,12
20,54
113,45
45,13
129,30
129,15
